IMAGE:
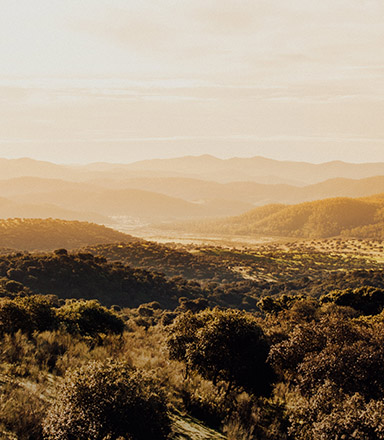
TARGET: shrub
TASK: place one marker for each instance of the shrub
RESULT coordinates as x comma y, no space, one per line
332,414
337,350
223,345
89,318
107,401
14,286
40,309
13,317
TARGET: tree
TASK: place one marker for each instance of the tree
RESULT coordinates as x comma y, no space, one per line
223,345
107,400
41,311
347,353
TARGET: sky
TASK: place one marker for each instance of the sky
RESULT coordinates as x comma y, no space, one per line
125,80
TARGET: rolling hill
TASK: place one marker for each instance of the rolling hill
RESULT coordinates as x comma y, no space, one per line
358,218
133,202
50,234
172,262
212,198
251,192
80,275
107,193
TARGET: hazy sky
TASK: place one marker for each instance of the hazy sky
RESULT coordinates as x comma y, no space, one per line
124,80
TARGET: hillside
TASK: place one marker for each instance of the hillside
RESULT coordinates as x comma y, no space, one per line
165,259
132,202
359,218
219,198
49,234
31,185
81,275
252,192
272,263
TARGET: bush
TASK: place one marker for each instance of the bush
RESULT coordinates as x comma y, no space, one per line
223,345
40,309
334,349
89,318
13,317
107,401
332,414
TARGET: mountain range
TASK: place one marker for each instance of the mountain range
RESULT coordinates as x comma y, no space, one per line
173,189
206,167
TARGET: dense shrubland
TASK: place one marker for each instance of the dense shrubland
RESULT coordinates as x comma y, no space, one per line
308,369
84,276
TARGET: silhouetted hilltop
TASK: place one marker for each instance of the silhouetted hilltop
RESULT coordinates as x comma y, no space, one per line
49,234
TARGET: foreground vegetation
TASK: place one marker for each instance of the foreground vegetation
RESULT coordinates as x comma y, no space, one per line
310,370
290,346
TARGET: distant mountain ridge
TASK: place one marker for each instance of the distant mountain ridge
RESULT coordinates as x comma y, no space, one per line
254,168
206,167
103,193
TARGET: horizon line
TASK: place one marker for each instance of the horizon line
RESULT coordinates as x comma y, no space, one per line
188,156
